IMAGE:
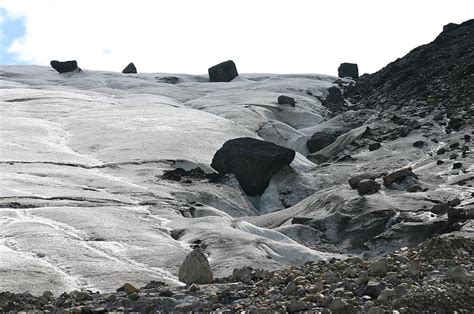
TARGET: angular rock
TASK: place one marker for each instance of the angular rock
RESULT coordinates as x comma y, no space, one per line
128,288
252,161
368,186
195,269
339,306
290,288
282,100
374,146
404,131
419,144
413,268
456,214
454,145
457,165
223,72
414,188
334,96
239,273
130,68
354,181
440,209
319,140
374,288
64,66
296,306
300,220
385,295
458,274
398,176
48,295
379,267
348,70
83,296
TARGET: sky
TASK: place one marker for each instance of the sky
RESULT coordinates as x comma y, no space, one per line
189,36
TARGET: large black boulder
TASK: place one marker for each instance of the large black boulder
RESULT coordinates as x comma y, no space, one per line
223,72
319,140
130,68
348,70
252,161
64,66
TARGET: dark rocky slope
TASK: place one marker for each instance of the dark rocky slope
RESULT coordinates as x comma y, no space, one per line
437,76
415,113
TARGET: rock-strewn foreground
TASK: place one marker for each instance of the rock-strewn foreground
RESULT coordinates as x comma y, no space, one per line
106,179
433,277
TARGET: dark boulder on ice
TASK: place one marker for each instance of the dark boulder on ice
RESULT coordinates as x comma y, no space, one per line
252,161
354,181
64,66
419,144
319,140
398,176
374,146
223,72
368,186
282,100
130,68
348,70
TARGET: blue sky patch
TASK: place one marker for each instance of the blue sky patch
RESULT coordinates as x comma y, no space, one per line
11,29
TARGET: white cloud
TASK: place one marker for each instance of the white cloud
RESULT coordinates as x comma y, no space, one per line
261,36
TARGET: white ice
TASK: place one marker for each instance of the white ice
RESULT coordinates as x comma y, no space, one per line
82,204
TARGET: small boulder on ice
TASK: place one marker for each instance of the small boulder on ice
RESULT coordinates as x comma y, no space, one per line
195,269
64,66
398,176
374,146
130,68
319,140
419,144
223,72
348,70
252,161
367,186
282,100
354,181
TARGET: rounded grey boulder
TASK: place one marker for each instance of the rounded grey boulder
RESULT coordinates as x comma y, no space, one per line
195,269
